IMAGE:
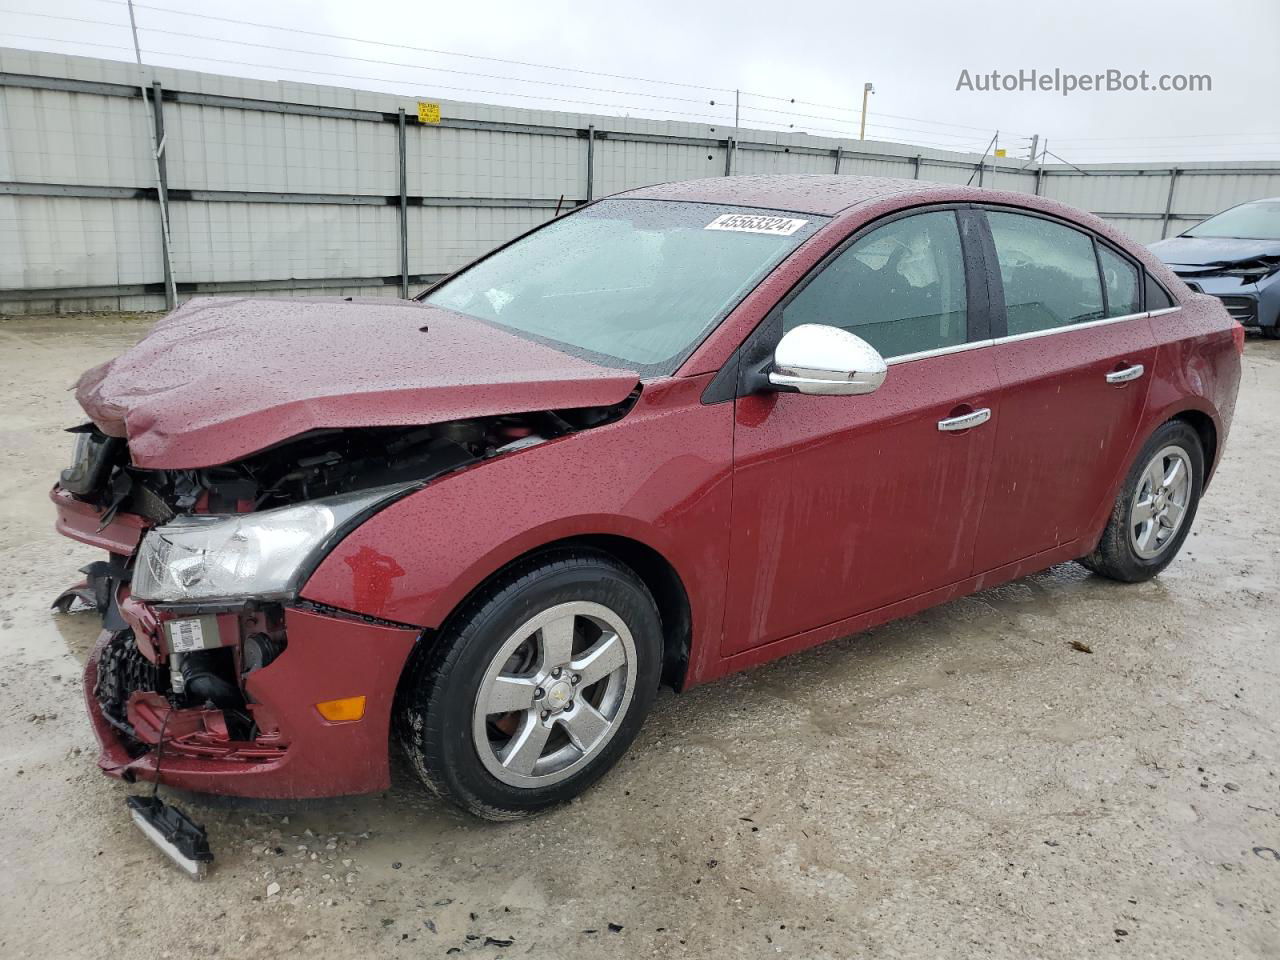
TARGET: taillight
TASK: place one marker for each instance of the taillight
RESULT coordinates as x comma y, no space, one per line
1237,337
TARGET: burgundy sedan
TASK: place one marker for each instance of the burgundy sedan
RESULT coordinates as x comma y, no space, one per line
670,435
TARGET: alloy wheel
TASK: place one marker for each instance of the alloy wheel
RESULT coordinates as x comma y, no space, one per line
554,694
1160,502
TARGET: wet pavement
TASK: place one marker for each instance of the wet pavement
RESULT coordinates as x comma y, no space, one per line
962,783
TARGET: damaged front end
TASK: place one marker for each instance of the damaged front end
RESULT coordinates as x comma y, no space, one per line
1245,286
210,673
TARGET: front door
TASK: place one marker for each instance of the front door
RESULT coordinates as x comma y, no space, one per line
845,504
1073,384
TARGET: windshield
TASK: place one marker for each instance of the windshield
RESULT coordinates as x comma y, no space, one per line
1259,220
636,283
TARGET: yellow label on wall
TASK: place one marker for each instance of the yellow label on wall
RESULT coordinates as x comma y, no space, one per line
428,112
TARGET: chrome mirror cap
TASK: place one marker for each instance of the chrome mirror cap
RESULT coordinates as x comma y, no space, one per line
819,359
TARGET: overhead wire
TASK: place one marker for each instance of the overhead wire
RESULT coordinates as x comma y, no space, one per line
380,62
960,139
702,116
541,66
405,46
1132,145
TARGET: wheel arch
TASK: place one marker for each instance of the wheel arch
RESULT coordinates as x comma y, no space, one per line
653,569
1206,428
669,593
1207,431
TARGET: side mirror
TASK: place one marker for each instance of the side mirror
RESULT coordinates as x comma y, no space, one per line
818,359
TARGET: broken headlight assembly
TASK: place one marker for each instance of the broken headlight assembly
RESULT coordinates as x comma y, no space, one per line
261,555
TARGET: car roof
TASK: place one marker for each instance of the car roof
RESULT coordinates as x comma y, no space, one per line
833,195
820,194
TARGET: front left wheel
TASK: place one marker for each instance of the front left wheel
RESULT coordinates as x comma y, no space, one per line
536,687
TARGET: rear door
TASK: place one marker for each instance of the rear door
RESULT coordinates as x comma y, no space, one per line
844,504
1074,354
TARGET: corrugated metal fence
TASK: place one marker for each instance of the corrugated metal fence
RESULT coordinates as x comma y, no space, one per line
294,188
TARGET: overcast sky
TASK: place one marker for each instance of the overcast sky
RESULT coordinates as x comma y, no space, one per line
820,54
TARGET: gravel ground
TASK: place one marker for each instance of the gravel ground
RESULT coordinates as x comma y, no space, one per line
959,784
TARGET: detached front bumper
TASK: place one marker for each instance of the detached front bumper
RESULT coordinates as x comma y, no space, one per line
84,522
328,657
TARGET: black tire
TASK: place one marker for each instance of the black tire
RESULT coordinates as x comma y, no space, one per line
1271,333
440,691
1116,555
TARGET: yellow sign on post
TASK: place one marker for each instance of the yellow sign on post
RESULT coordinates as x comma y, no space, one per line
428,112
1001,152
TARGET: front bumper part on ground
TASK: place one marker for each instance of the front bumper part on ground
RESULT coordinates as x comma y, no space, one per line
329,657
179,837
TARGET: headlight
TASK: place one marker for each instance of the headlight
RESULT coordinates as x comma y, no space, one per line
259,555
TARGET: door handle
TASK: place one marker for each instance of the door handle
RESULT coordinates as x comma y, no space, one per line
966,420
1127,374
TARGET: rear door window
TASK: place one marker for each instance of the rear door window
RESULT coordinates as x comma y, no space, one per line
1049,273
901,287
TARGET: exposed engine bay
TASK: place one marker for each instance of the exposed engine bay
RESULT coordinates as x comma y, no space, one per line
178,676
318,464
199,704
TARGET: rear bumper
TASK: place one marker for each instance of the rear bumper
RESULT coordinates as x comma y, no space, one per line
328,657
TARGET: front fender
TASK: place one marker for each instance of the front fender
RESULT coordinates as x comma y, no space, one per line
659,476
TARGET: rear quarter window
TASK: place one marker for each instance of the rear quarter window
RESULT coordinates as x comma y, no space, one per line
1158,297
1120,277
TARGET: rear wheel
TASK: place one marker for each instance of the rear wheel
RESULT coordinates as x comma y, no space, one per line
1153,513
537,687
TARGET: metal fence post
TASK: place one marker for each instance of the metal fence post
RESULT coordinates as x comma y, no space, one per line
162,193
307,118
404,208
1168,204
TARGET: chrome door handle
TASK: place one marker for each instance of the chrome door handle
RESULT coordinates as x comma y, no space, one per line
966,420
1127,374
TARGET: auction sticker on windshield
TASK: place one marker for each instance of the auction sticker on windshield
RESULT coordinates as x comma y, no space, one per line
756,223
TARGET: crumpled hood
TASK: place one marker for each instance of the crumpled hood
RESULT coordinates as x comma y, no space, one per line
1199,251
220,378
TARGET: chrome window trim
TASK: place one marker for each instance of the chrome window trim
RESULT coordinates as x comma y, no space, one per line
1012,338
1033,334
938,352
